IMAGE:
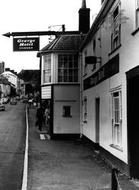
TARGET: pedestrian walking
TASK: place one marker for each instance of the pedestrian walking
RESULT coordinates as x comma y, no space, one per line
39,117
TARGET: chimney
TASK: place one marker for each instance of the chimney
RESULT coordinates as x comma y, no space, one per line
84,18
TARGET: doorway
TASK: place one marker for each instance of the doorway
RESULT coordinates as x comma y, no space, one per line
133,121
97,119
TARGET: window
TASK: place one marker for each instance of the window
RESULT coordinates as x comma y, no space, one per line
85,65
137,14
116,29
47,68
85,110
117,118
66,111
67,68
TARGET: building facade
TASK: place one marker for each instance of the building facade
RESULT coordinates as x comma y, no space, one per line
12,78
109,84
60,90
60,80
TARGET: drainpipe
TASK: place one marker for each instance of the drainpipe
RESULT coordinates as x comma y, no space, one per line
81,94
40,68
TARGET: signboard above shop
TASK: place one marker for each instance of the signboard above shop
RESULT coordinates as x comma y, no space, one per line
26,44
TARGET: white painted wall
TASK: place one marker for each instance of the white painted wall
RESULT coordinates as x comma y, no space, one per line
66,95
129,58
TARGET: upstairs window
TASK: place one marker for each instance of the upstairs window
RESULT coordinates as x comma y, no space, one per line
46,68
67,68
85,65
116,28
137,14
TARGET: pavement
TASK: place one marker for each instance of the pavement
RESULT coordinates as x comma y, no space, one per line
68,164
63,164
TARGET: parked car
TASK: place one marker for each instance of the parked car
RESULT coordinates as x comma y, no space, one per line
17,98
25,100
4,100
13,101
2,106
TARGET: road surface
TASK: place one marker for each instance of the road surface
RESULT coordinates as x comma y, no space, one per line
12,144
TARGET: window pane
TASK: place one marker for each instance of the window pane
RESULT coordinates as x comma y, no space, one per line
68,68
47,68
137,18
116,118
66,111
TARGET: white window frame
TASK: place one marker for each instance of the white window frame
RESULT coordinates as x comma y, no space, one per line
137,14
47,68
116,28
116,97
68,68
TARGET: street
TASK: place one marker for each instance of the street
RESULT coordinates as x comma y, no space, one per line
12,143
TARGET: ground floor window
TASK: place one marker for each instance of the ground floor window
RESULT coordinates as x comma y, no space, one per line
66,111
85,109
116,118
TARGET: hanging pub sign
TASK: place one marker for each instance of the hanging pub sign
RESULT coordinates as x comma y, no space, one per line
26,44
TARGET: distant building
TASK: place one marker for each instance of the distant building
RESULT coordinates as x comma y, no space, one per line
5,87
12,78
2,67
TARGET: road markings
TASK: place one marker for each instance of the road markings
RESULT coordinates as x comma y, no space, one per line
25,171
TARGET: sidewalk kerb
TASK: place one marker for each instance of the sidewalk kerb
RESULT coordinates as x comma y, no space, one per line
25,171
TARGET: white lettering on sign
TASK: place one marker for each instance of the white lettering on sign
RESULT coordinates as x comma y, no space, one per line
26,44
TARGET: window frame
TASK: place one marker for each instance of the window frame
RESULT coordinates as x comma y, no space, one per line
68,68
85,109
67,111
116,99
47,68
137,14
116,28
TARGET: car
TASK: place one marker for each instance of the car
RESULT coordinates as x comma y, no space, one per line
25,100
4,100
2,106
13,101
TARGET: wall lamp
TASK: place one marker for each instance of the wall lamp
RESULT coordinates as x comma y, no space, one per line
92,60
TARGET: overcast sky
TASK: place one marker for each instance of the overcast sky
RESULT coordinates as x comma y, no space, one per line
36,15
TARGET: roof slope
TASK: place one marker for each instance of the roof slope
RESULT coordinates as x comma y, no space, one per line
64,43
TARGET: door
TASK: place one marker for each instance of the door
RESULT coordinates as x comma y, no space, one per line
133,121
97,107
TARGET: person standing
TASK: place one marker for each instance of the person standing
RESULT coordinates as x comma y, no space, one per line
40,117
47,119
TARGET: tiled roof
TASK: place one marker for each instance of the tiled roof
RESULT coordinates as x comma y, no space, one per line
64,43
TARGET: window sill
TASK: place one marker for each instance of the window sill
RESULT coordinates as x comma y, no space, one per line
116,147
135,31
114,50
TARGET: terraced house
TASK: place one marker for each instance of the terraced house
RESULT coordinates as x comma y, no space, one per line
109,84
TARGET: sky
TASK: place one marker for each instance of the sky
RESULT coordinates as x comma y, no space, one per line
36,15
